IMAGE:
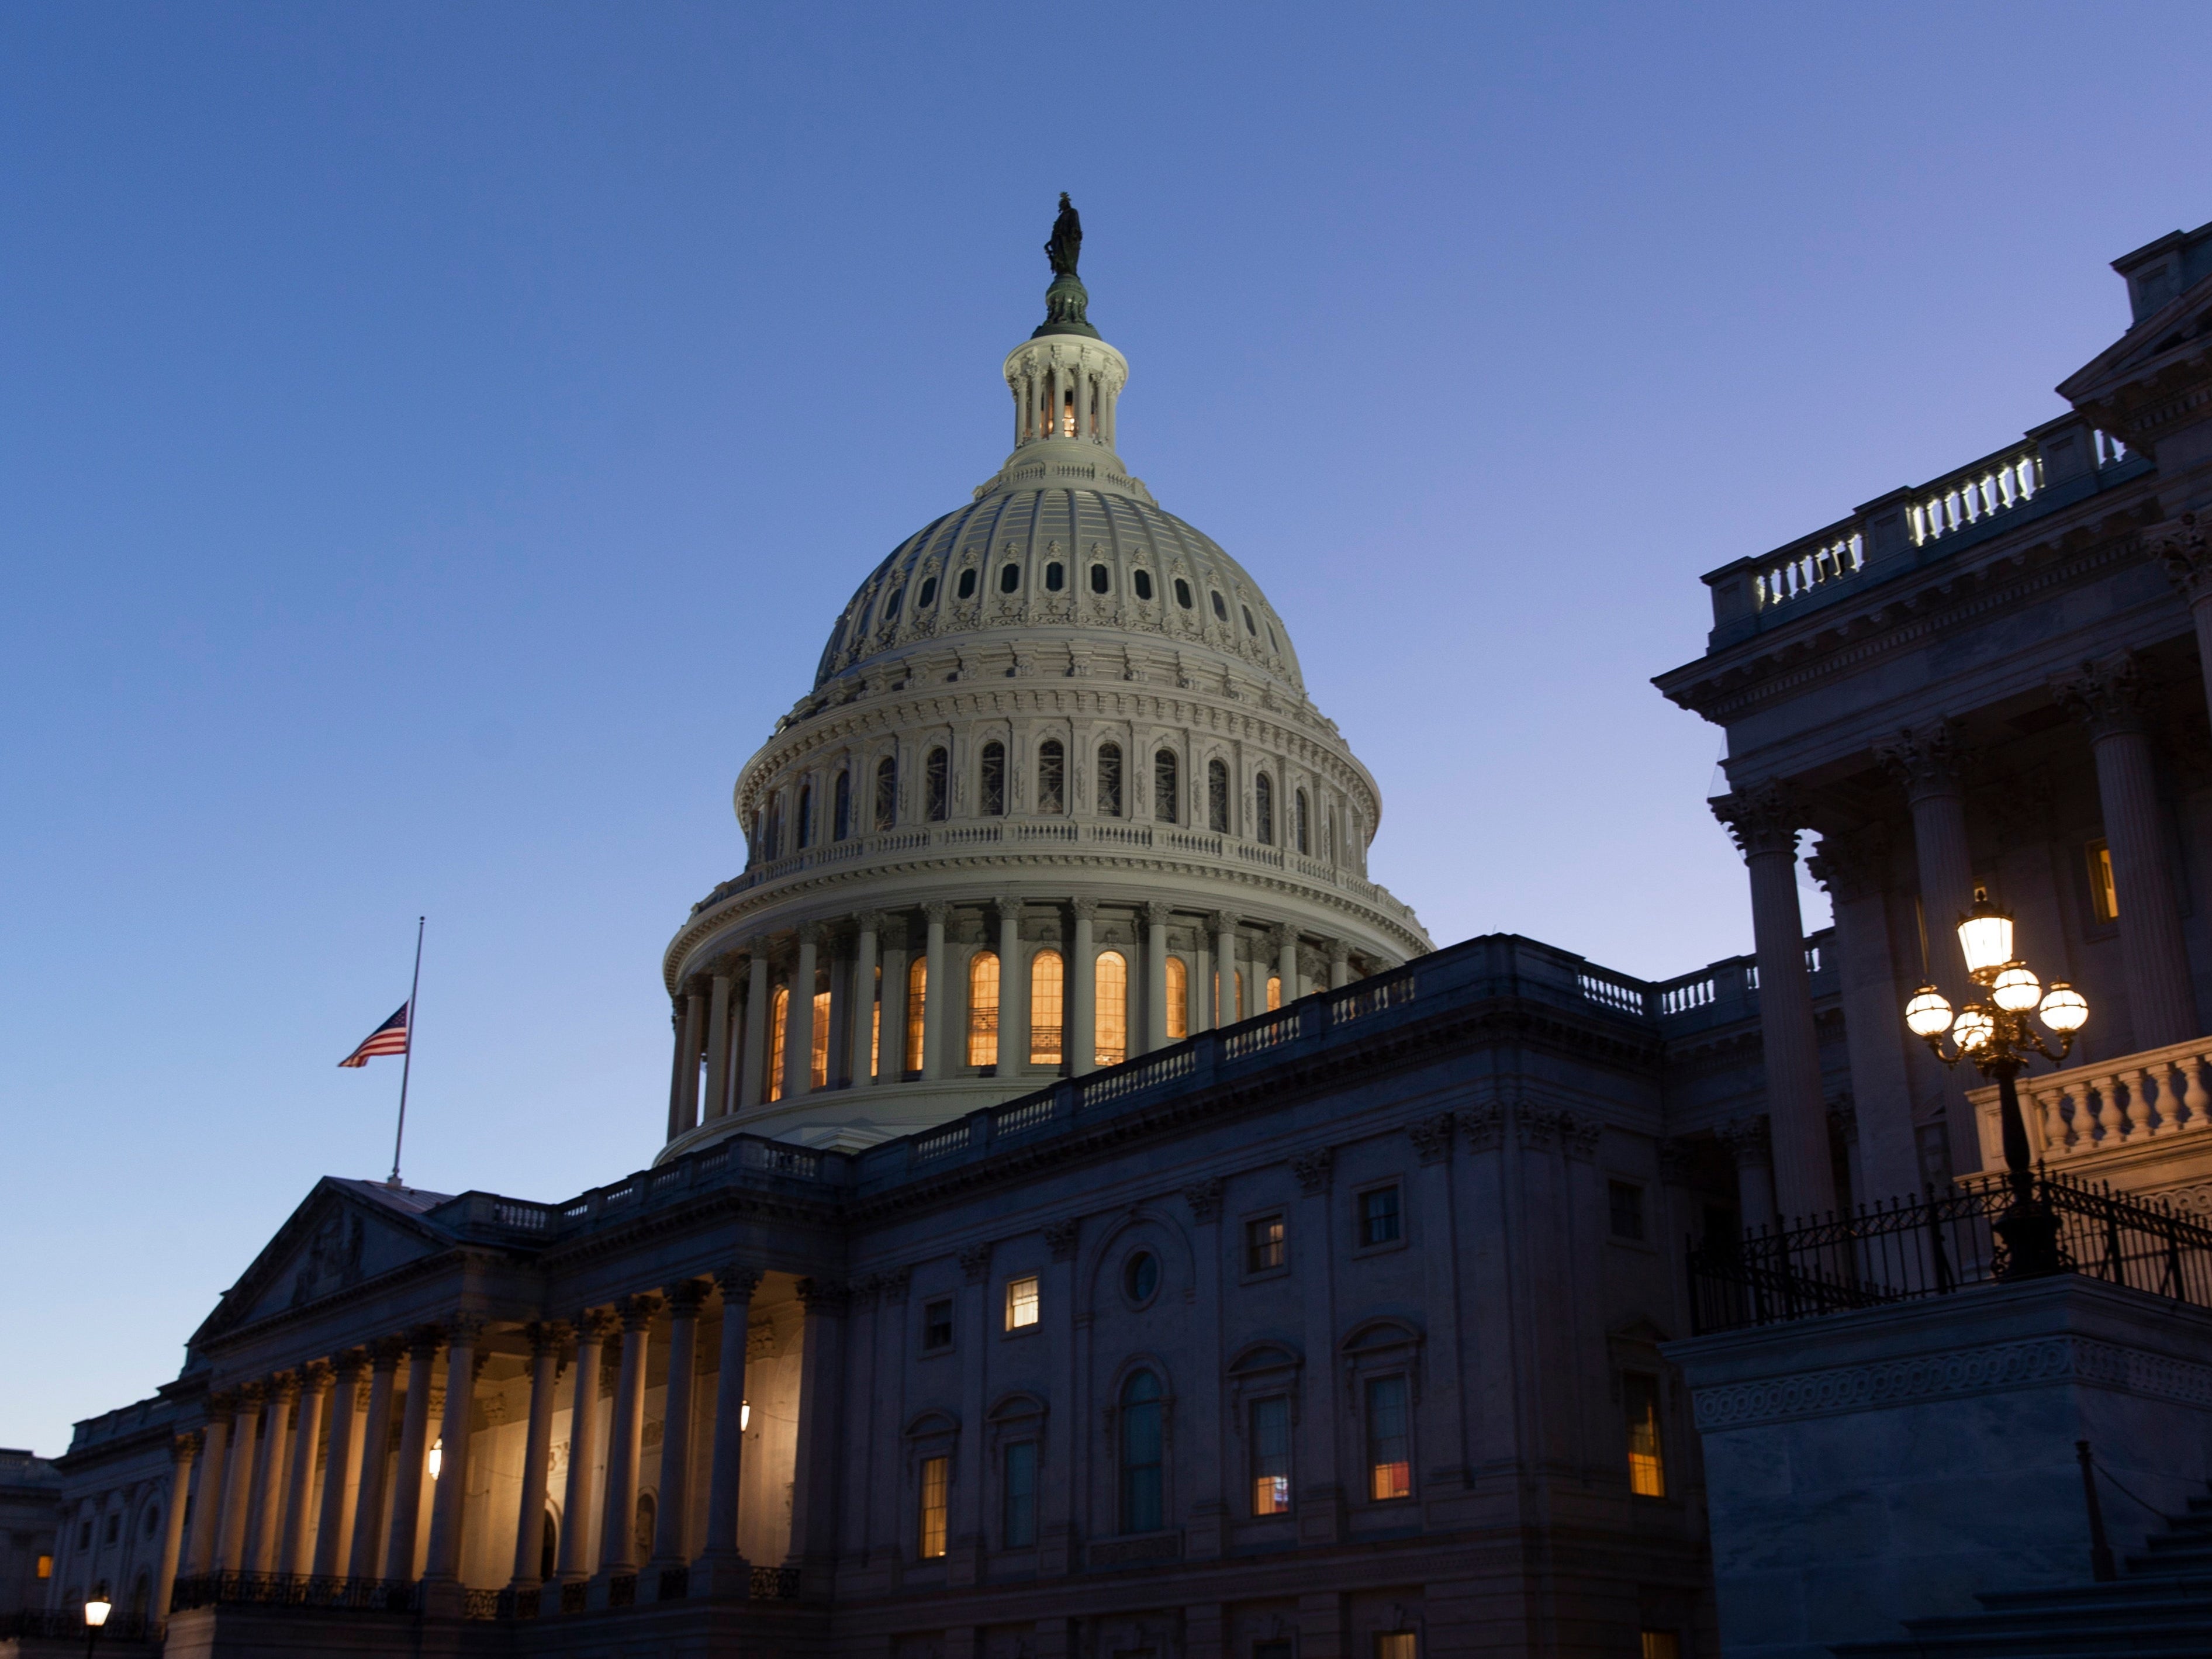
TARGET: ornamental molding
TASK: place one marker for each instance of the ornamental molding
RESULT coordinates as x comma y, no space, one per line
1431,1138
1204,1198
2111,696
2042,1362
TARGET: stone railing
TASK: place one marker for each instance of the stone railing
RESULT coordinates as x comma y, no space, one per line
2101,1106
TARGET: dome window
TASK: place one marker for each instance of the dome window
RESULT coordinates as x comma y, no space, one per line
1217,798
891,604
1010,577
1101,580
1166,787
928,597
994,781
805,814
1301,824
1220,609
1052,776
1183,593
1109,780
886,792
1246,608
1055,576
934,774
1141,581
967,585
1263,809
983,1008
841,807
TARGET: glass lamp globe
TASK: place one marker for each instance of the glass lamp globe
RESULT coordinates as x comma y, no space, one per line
1973,1028
2015,989
1985,936
1928,1014
2064,1009
437,1459
97,1609
744,1415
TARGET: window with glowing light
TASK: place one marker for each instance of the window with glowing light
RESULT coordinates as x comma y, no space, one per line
983,1009
1178,1008
818,1067
1274,993
1389,1441
1396,1644
917,1009
1271,1456
779,1011
1647,1460
1111,1016
936,1483
1047,1022
2104,891
1021,1302
1265,1246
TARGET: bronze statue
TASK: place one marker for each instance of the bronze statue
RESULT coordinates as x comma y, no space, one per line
1065,247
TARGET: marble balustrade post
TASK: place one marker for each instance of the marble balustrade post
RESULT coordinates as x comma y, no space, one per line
798,1019
183,1449
295,1542
860,1022
207,1513
670,1544
1013,991
414,1444
937,995
265,1527
618,1530
1225,1010
365,1551
1156,977
718,1041
721,1570
330,1525
547,1339
2109,697
1079,1032
592,1327
449,1493
1764,822
1853,869
238,1482
752,1081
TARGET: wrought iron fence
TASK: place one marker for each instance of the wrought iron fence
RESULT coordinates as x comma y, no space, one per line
285,1589
58,1624
1940,1242
674,1584
774,1584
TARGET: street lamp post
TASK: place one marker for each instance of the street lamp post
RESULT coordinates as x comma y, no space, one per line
1993,1031
95,1614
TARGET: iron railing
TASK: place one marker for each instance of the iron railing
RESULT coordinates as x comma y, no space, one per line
60,1625
1941,1241
776,1584
289,1590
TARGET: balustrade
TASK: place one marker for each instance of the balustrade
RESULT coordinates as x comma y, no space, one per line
2103,1106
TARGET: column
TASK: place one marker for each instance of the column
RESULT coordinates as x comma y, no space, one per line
1225,923
669,1547
720,1570
592,1327
1155,977
718,1040
1013,989
1746,1138
264,1525
695,1037
449,1493
935,990
547,1337
860,1023
837,1040
1079,1036
414,1441
2179,546
238,1481
1340,964
182,1450
619,1529
676,1124
206,1514
814,1487
1764,822
1927,762
1853,869
1284,939
296,1540
338,1462
2162,1001
365,1557
799,1023
753,1080
890,1052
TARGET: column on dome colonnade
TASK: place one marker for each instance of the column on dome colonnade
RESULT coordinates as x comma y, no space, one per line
548,1340
1284,939
799,1016
1340,963
1155,977
890,1045
1079,1032
753,1061
1013,990
936,993
1225,924
722,982
860,1029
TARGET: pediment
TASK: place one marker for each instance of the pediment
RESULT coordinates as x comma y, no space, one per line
343,1234
2138,374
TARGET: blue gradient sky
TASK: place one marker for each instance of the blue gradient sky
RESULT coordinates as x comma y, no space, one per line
436,440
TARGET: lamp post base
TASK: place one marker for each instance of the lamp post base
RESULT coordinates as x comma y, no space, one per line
2029,1233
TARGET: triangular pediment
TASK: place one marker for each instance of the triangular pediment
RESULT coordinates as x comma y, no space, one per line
2141,385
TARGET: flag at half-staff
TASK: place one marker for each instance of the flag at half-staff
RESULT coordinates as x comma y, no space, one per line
389,1038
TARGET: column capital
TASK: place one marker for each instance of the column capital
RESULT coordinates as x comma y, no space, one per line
892,1286
937,911
823,1296
637,1311
1156,913
315,1375
760,947
1084,909
595,1324
1204,1198
736,1284
2178,546
1747,1140
871,921
1060,1237
1282,935
810,932
250,1395
1008,909
976,1262
385,1352
183,1448
547,1336
1225,921
1926,760
684,1298
463,1328
1340,950
2109,696
1764,819
283,1387
1852,864
425,1340
1312,1169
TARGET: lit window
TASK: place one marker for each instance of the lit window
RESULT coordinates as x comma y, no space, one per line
1395,1644
1216,797
1647,1460
1271,1456
1389,1454
1055,577
937,1325
983,1009
1378,1216
917,1008
818,1069
1142,581
1052,776
1142,1505
1021,1302
1110,1019
936,1476
779,1011
875,1027
886,792
1178,1009
1274,993
994,780
1625,1205
46,1567
967,585
1109,780
1101,579
1046,975
1263,1244
2103,893
934,774
1020,1517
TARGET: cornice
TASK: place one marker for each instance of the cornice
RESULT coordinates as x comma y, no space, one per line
456,1255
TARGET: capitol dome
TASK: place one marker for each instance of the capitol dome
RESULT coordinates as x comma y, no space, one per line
1056,798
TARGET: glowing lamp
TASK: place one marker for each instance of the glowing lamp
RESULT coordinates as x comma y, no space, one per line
2015,989
1985,936
437,1459
97,1609
2064,1009
744,1415
1928,1014
1973,1028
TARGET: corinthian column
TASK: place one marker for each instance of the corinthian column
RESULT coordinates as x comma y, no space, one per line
546,1340
936,994
330,1524
365,1551
414,1443
1764,822
752,1079
297,1538
720,1570
798,1021
1224,1012
267,1526
1156,977
206,1514
2162,1001
592,1329
1079,1037
2179,546
1746,1138
618,1532
182,1450
450,1492
1013,991
1928,762
821,1384
669,1547
238,1482
860,1022
1852,868
1285,940
717,1042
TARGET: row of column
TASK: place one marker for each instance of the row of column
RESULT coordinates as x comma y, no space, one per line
1929,762
722,1018
1040,403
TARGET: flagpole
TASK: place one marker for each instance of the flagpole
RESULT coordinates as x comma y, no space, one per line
407,1058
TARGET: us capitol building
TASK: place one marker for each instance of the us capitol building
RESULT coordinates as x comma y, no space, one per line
1093,1221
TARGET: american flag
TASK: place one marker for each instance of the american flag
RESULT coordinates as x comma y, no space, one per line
389,1038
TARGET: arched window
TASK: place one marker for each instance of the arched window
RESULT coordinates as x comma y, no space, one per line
1305,838
805,814
1246,608
1052,776
1274,993
1216,797
1178,1009
886,792
841,807
1220,609
917,1009
1263,809
994,780
817,1066
1109,780
779,1017
935,773
983,1009
1142,1509
1165,806
1111,1018
892,609
1047,1024
773,847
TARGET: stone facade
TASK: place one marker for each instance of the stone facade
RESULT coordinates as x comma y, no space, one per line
30,1491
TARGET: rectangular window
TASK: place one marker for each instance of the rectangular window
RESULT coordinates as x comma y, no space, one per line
1021,1302
1263,1244
1271,1456
2104,895
46,1568
1395,1644
819,1062
1378,1216
1020,1516
917,1008
936,1474
937,1325
1647,1460
1625,1205
1661,1644
1389,1441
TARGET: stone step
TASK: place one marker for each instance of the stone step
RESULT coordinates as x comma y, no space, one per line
2167,1563
2121,1596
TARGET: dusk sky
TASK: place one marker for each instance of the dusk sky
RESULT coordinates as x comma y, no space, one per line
437,440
